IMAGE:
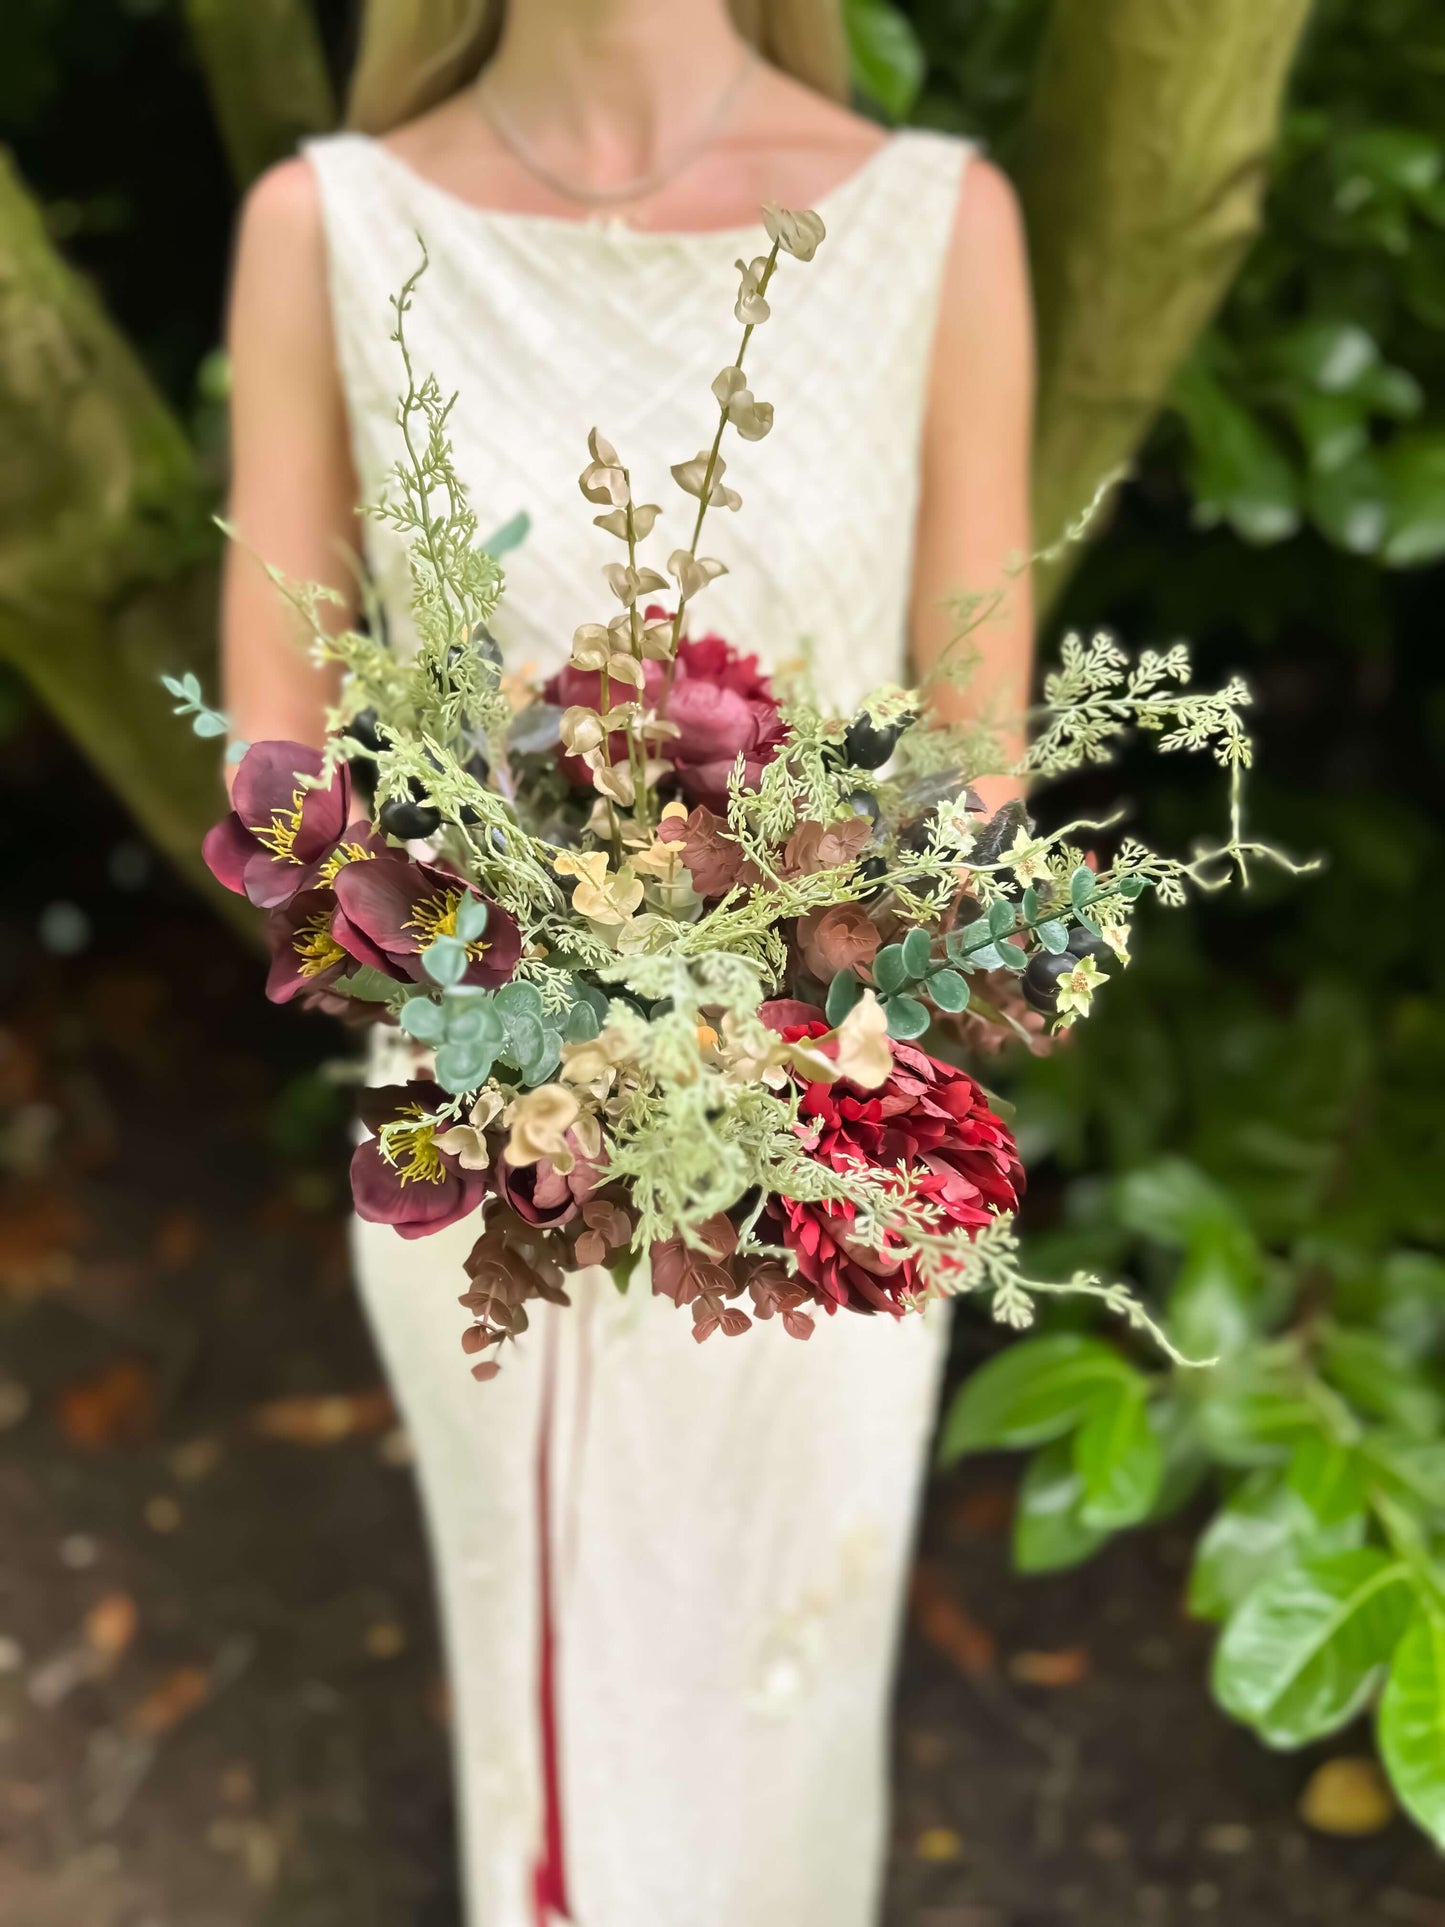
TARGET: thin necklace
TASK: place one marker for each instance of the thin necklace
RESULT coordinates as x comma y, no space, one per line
641,185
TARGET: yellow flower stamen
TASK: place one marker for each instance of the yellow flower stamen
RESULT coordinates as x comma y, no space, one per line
315,945
343,854
279,835
410,1148
434,917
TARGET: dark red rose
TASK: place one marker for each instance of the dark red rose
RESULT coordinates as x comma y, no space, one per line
279,833
929,1117
710,659
716,725
394,908
412,1185
584,686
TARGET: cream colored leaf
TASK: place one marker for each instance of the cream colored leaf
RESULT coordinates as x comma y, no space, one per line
589,646
864,1055
615,522
623,668
799,233
602,451
581,730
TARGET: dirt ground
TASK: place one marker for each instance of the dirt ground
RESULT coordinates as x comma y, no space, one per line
220,1695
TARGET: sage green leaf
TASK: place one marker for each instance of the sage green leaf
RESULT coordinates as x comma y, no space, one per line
1034,1391
1049,1534
1412,1722
471,919
424,1020
474,1023
907,1018
518,998
462,1067
1081,886
510,535
890,972
1001,918
917,952
1118,1457
368,985
948,990
582,1023
1010,955
843,992
445,960
1303,1653
1329,1477
1054,936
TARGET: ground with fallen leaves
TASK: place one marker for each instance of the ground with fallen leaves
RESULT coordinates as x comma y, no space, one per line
220,1697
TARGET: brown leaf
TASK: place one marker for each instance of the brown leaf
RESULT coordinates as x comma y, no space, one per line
166,1705
110,1626
1349,1796
115,1406
325,1420
1067,1667
842,937
38,1236
948,1628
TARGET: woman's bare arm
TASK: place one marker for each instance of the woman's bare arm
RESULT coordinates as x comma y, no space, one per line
293,492
974,511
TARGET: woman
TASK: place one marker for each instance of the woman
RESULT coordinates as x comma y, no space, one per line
671,1574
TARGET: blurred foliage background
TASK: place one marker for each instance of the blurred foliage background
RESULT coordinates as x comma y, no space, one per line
1253,1123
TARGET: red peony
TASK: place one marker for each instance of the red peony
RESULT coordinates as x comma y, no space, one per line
929,1117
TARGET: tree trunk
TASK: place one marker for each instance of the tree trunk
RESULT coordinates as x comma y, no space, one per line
266,73
1142,174
106,545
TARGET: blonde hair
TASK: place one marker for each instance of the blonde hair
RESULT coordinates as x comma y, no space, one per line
413,54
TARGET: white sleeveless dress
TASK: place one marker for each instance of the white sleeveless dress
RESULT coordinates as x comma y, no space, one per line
671,1574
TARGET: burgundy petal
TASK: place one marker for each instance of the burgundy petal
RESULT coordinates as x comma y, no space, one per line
266,780
227,848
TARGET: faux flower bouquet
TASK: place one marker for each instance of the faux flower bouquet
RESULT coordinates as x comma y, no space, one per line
688,965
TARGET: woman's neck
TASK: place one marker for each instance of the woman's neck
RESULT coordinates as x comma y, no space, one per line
609,89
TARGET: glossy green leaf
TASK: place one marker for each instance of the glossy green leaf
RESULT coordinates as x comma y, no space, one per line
1246,1419
1414,468
1118,1457
1239,471
1215,1305
1035,1390
1049,1535
1330,1478
1350,503
1412,1722
885,56
1411,1470
1081,886
1304,1651
1380,1377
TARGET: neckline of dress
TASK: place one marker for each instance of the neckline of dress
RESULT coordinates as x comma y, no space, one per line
612,227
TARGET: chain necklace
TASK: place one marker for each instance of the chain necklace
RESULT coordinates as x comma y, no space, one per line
641,185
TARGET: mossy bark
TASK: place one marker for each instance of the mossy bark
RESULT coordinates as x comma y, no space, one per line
1142,173
265,70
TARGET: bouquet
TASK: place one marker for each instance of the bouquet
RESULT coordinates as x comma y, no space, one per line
689,970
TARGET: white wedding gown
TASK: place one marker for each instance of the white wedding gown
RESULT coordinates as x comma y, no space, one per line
671,1574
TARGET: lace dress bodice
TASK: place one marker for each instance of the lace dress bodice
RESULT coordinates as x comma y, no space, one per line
545,328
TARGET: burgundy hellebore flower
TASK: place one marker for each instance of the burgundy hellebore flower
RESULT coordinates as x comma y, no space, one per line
394,908
928,1116
414,1186
279,833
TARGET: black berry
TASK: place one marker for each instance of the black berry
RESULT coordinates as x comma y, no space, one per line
871,868
1083,943
366,729
1041,979
408,820
868,745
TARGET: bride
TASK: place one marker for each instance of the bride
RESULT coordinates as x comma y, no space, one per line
671,1575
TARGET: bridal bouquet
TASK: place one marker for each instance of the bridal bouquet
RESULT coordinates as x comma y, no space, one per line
687,966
